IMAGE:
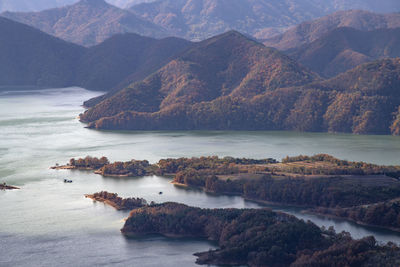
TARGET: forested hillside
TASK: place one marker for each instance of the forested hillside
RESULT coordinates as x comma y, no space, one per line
345,48
212,87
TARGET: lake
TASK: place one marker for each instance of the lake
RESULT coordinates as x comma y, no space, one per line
49,223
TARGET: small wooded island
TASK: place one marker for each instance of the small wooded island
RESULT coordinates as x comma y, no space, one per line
361,192
254,237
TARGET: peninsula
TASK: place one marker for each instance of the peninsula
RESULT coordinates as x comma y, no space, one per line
4,186
117,202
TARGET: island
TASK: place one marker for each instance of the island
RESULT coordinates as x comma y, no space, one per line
102,166
4,186
363,192
254,237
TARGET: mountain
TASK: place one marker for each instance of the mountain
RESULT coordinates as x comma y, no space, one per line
228,65
124,59
200,19
31,57
345,48
364,100
87,22
310,31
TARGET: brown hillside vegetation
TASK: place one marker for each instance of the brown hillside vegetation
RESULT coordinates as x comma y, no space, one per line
231,82
229,66
345,48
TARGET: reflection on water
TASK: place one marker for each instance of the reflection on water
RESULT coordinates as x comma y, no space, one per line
50,223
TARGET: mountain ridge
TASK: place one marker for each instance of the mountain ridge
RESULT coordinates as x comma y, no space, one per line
229,64
29,57
345,48
309,31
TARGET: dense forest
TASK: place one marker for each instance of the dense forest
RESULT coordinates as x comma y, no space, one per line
226,65
383,214
259,237
246,86
325,192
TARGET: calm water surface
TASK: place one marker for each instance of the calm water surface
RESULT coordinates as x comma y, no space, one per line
49,223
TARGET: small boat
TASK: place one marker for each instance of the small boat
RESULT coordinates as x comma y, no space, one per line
67,181
160,193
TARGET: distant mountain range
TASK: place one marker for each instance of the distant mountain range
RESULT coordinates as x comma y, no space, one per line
200,19
345,48
310,31
87,22
90,22
39,5
31,57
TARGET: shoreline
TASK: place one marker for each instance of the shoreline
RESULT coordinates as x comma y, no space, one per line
95,171
8,187
105,201
331,216
69,167
261,202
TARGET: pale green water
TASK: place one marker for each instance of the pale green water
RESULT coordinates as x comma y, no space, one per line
49,223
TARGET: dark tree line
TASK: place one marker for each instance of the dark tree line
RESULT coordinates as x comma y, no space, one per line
259,237
384,214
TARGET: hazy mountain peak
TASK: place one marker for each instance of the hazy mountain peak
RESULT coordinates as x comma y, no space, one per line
230,37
